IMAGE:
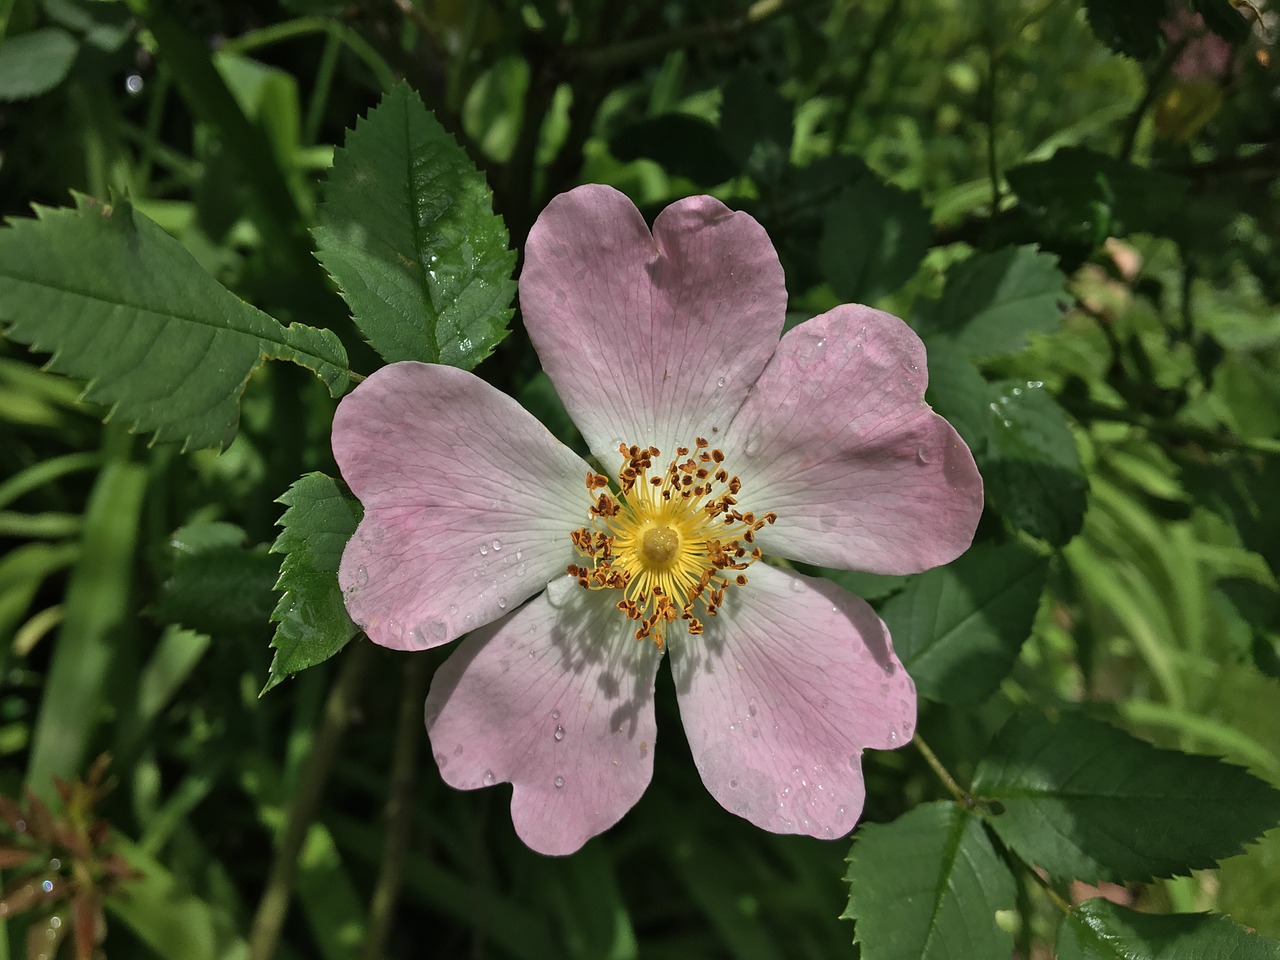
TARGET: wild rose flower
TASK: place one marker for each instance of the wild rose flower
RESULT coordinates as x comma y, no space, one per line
723,446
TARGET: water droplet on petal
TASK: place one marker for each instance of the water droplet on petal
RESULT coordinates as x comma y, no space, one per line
502,603
555,714
753,447
922,456
559,734
484,549
497,544
362,576
720,382
797,585
489,778
453,609
893,736
559,782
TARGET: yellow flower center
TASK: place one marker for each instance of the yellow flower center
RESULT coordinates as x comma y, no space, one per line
671,542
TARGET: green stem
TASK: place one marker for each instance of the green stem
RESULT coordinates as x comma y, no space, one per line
648,48
962,796
404,765
305,26
338,711
320,92
1155,81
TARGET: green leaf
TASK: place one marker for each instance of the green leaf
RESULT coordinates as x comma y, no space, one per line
683,145
756,125
1132,27
1086,801
927,887
36,62
873,239
124,306
218,587
312,618
408,231
993,301
1021,442
958,628
1099,930
1080,196
1030,463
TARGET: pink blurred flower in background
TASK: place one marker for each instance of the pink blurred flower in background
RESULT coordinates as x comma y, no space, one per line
723,445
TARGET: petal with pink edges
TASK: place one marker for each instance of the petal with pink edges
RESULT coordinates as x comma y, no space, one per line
837,440
650,339
556,699
469,502
781,694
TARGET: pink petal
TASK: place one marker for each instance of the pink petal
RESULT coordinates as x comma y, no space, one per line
652,340
838,442
556,699
781,694
469,502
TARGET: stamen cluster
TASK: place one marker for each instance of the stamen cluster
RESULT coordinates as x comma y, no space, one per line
669,541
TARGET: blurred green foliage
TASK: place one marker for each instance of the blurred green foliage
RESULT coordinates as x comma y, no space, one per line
1084,230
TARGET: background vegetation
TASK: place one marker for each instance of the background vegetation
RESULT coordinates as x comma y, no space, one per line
1075,203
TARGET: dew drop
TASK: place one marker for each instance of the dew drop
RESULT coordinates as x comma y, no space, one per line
484,549
497,545
1016,391
922,456
1007,423
453,609
559,734
797,585
893,736
720,382
489,778
555,714
1035,384
362,576
559,782
502,603
752,447
519,554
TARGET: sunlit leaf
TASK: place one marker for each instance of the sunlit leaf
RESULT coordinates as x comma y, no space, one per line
312,620
958,628
992,302
122,305
1099,930
408,231
1086,801
927,887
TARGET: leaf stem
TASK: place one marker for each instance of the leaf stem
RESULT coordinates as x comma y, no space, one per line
338,712
962,796
404,768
